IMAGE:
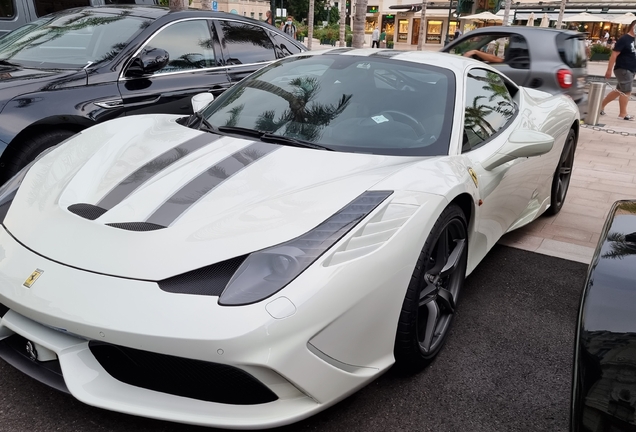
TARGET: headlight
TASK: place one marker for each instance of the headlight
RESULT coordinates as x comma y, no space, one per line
10,188
266,272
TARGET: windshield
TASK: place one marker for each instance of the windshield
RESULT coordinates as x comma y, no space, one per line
349,103
70,40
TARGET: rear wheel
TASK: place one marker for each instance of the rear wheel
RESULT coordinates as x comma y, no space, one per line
562,175
27,150
432,296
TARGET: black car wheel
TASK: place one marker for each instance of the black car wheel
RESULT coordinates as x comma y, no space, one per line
432,295
30,148
562,175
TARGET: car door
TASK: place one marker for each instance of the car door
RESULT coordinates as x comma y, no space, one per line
507,192
194,67
246,47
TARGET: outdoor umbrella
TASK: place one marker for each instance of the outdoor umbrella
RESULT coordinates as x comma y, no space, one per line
545,21
624,19
530,22
484,16
584,17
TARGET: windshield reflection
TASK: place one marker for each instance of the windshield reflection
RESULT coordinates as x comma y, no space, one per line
71,40
349,103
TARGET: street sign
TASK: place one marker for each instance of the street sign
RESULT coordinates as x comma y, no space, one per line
215,6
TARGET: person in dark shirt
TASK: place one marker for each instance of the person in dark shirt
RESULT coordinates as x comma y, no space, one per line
623,61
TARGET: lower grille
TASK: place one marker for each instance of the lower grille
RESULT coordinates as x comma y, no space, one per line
13,351
195,379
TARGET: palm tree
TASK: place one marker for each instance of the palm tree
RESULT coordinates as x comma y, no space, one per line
178,5
304,117
476,116
360,19
619,246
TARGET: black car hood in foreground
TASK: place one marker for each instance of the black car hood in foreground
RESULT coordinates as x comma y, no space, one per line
20,81
604,388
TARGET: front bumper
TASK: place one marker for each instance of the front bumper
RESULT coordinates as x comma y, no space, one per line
337,337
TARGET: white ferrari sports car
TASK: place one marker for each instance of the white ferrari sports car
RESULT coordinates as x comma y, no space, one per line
260,260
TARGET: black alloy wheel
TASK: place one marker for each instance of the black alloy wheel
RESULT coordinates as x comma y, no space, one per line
562,175
431,299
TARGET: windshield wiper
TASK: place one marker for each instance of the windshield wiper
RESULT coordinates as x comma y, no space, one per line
252,133
204,124
294,142
7,63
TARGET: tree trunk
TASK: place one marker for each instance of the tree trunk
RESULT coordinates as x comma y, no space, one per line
206,5
343,20
506,17
359,20
177,5
561,11
310,24
422,37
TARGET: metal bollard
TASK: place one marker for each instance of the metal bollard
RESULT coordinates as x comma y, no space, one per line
594,99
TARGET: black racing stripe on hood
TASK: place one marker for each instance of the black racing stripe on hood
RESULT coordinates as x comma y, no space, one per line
152,168
201,185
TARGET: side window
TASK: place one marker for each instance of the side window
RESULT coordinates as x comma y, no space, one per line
510,49
246,43
283,46
7,10
572,50
489,107
45,7
189,45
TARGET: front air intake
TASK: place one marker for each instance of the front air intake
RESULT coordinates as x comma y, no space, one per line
195,379
87,211
136,226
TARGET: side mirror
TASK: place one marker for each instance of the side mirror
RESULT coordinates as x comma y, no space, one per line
201,100
521,143
147,62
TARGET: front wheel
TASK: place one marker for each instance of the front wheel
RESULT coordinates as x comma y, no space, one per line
431,298
562,175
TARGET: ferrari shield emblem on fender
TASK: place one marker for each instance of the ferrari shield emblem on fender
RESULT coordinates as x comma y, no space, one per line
31,279
473,175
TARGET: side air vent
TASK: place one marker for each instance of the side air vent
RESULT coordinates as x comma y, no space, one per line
195,379
136,226
374,234
87,211
210,280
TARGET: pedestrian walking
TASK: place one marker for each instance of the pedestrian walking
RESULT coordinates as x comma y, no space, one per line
375,38
289,27
457,34
623,61
268,17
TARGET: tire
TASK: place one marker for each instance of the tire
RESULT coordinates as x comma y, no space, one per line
431,298
562,175
28,149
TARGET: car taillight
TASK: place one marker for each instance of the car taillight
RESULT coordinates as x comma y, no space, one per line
564,77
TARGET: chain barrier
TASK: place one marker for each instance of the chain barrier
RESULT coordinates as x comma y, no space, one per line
605,129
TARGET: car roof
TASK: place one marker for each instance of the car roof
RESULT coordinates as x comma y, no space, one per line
524,30
452,62
155,12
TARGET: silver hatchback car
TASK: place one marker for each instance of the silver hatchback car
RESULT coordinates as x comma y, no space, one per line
546,59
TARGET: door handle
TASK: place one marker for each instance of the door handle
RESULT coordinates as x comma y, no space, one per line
144,102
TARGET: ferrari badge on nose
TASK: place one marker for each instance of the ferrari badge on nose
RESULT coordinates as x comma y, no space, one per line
31,279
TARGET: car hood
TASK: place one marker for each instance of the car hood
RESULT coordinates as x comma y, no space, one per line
16,81
146,198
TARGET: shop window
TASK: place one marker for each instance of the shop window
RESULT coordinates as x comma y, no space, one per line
370,24
7,10
388,24
260,16
403,30
252,14
434,32
453,27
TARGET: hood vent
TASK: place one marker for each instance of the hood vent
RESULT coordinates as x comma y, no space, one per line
87,211
137,226
210,280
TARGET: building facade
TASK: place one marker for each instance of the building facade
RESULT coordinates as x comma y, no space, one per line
249,8
400,19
